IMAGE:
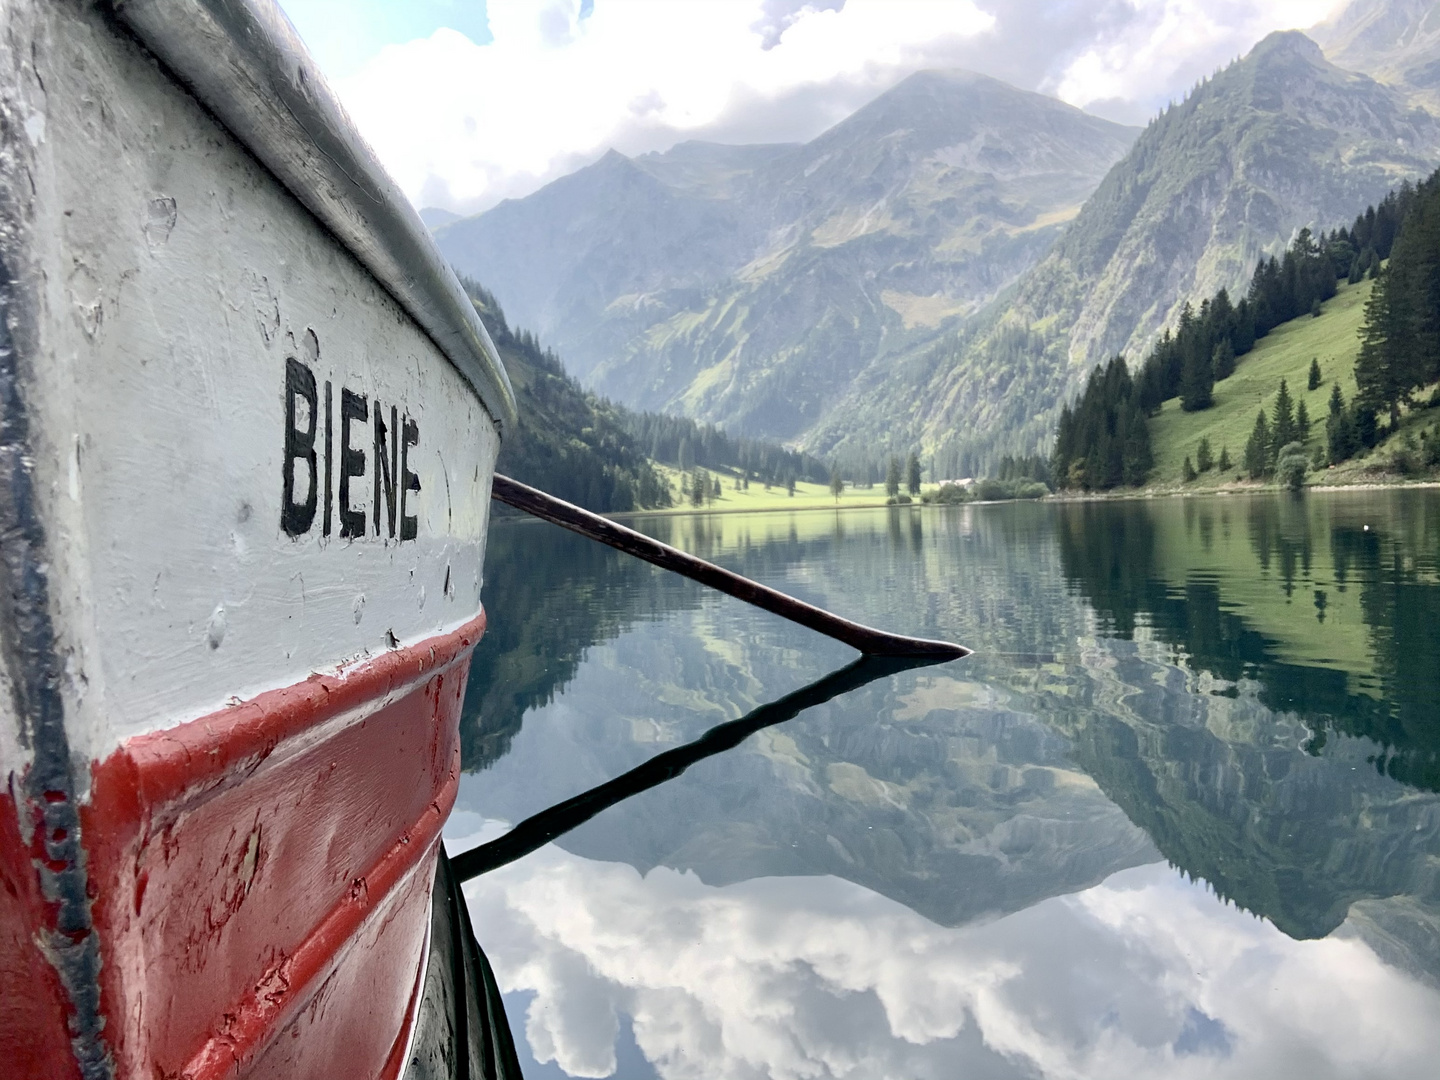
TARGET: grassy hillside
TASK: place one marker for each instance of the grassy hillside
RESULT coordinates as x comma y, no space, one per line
1333,339
1276,141
1284,353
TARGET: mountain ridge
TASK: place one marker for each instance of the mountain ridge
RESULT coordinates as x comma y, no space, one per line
790,267
1278,140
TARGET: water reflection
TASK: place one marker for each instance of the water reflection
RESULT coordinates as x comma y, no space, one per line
1244,690
1143,976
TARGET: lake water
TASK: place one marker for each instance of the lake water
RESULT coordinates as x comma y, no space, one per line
1177,816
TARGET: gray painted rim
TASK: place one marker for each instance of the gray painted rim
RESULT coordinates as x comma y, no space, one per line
243,60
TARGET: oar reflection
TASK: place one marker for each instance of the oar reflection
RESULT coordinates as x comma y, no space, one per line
536,831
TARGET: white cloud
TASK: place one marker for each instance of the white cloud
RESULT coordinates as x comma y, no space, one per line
1165,46
463,125
1143,976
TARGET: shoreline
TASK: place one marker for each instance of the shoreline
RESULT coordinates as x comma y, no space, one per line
1054,497
1231,489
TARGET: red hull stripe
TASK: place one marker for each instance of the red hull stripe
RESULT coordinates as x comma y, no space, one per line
34,1010
262,875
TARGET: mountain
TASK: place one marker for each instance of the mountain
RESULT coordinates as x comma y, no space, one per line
750,285
435,217
1278,140
1393,41
566,441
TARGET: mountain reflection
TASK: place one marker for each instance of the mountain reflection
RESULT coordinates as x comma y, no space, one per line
1379,548
1245,689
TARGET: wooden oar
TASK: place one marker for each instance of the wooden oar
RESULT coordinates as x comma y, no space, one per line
538,830
868,640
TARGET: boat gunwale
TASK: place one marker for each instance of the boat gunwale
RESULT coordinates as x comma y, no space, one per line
245,63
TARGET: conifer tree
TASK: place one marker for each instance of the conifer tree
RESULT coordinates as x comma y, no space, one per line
912,475
1341,439
1197,376
1225,463
1188,470
1102,439
1302,421
1282,422
837,485
1204,457
1223,360
1257,448
1313,383
892,478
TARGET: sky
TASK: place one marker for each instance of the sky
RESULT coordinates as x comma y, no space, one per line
468,102
789,978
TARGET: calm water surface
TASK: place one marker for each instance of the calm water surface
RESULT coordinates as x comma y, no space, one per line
1177,816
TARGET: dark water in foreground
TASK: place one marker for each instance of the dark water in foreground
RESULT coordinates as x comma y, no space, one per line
1178,816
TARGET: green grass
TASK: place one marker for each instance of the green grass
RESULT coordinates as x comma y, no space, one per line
807,496
1334,340
1285,353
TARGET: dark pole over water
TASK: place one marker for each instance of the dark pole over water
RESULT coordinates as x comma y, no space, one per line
868,640
536,831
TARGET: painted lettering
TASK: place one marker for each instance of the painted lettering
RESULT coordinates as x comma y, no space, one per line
329,459
387,461
310,466
353,406
296,517
409,523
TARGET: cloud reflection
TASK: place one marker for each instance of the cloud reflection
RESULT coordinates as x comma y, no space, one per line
807,977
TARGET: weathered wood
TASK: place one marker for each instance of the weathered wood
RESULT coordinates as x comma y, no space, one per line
868,640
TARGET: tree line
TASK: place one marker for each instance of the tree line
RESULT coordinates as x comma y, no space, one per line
565,440
1102,439
1400,338
685,444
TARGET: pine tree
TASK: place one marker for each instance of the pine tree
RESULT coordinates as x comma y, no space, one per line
1225,463
1188,470
912,475
1204,458
1223,360
1314,381
837,485
1257,448
1197,375
1102,440
1282,422
1341,438
892,478
1302,421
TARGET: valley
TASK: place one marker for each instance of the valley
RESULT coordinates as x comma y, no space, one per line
938,273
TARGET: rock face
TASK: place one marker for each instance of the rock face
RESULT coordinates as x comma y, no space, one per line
1393,41
923,274
1279,140
750,285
